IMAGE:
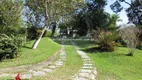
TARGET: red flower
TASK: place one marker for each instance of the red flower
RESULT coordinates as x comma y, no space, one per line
17,77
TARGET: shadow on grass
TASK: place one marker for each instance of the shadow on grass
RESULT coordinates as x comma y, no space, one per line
91,50
96,50
27,47
65,42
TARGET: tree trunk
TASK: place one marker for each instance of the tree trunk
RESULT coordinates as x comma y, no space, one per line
53,30
46,22
38,40
88,27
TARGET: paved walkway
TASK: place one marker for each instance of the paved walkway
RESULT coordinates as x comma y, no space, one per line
40,69
88,71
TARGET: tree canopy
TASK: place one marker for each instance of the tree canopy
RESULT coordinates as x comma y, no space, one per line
10,16
134,12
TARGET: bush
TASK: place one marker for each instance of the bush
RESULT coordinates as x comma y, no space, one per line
38,33
32,33
130,35
139,46
8,47
106,41
47,33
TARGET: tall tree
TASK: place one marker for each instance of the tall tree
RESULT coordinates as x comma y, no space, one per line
112,20
90,17
134,12
50,9
10,16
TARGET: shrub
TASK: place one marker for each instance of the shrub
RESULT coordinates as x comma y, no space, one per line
47,33
106,41
38,33
8,47
130,35
139,46
32,33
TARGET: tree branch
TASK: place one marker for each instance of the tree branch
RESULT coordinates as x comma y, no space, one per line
128,2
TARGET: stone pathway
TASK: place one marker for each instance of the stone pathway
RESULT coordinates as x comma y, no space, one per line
40,69
88,71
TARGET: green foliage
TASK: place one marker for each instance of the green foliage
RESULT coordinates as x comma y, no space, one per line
139,45
106,41
112,21
10,16
47,33
130,34
51,10
33,33
8,47
133,11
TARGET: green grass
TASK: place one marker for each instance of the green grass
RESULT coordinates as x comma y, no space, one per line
115,65
7,78
45,49
70,68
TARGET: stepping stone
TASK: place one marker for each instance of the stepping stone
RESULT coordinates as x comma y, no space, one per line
95,72
88,64
85,71
88,71
84,75
14,75
86,67
57,64
52,67
26,76
4,75
63,59
92,77
62,54
32,71
85,57
48,70
39,73
80,78
49,63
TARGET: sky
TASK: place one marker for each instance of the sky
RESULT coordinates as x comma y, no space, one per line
122,14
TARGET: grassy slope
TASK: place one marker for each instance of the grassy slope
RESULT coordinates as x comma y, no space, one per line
45,49
71,66
115,65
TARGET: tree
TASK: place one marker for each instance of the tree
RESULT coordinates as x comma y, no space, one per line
50,9
112,20
134,12
89,17
53,29
11,28
94,14
130,35
10,16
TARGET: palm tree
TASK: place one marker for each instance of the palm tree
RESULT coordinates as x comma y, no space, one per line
113,19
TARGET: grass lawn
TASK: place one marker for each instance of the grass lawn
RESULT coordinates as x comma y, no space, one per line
71,66
7,78
115,65
45,49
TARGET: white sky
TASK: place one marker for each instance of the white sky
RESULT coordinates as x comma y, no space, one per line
122,14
